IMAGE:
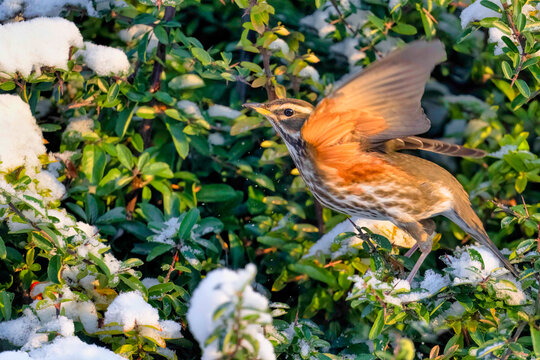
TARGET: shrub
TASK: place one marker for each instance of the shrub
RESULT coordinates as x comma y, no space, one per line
130,177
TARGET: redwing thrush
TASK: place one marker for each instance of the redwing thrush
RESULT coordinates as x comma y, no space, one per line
345,149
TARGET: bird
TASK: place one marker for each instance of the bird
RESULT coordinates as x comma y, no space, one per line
347,149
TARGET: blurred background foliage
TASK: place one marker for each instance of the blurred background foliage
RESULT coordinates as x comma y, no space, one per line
170,144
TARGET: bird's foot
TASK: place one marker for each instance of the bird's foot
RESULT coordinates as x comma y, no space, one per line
364,236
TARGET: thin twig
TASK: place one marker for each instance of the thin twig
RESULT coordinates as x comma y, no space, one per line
320,219
155,78
33,224
342,18
171,269
514,338
270,90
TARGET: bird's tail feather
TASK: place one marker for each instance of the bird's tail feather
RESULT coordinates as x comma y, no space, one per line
432,145
473,226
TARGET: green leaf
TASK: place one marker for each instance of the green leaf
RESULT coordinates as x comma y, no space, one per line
189,220
404,29
315,272
158,250
7,86
160,169
518,102
523,88
161,34
521,182
123,120
246,124
112,93
93,163
216,193
100,264
475,255
191,258
262,180
185,82
507,70
202,56
54,268
180,139
6,300
510,44
535,335
491,6
134,284
521,22
3,251
146,112
124,156
377,326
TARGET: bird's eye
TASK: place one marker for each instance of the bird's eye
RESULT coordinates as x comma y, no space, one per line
288,112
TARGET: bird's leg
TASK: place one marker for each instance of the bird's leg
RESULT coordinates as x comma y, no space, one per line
416,267
412,250
424,242
429,227
364,236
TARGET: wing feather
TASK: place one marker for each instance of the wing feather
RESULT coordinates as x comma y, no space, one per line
381,103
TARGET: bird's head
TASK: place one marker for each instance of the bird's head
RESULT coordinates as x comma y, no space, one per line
287,116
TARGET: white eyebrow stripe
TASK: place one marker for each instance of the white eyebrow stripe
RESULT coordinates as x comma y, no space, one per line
297,108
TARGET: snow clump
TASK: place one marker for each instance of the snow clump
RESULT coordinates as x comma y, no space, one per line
29,45
328,245
223,111
16,118
224,286
104,60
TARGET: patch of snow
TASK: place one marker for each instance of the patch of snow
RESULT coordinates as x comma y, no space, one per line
223,111
48,182
19,330
21,141
130,309
310,72
104,60
476,12
218,288
347,48
387,46
29,45
495,36
149,282
465,269
216,139
504,150
510,290
79,126
136,32
166,234
318,21
327,245
279,44
170,329
190,108
393,4
68,348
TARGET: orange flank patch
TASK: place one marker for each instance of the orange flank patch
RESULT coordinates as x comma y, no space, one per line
351,165
329,125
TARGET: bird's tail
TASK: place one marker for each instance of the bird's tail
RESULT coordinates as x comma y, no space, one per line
469,221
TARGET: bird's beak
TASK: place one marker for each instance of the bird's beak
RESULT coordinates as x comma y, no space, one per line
258,107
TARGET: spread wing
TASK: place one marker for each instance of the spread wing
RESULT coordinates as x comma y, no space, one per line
381,103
